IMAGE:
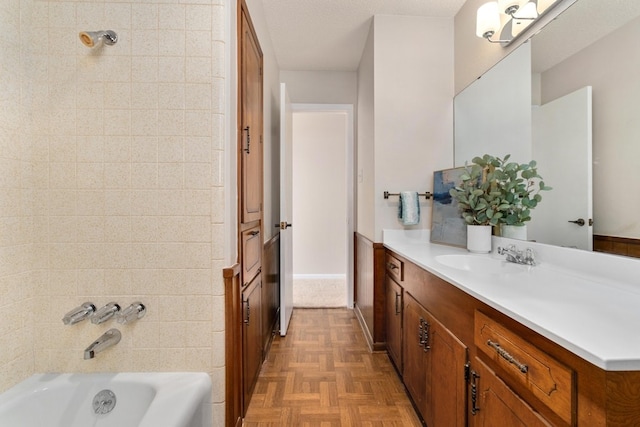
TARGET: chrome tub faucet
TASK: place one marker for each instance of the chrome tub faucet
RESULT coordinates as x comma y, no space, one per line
106,340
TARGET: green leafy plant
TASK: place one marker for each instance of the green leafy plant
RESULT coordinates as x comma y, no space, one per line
495,191
478,195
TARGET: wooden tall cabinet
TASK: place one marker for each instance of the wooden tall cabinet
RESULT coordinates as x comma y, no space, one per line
250,203
250,131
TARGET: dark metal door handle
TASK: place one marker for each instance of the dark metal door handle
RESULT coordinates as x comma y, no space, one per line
579,221
248,146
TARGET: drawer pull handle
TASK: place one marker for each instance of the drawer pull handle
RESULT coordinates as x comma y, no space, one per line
391,266
509,358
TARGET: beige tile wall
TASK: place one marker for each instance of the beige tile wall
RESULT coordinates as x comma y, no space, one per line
110,182
18,280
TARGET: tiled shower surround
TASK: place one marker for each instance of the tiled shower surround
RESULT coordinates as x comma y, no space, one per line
111,188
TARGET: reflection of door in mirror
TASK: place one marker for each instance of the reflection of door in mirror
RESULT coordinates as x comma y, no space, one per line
562,148
611,66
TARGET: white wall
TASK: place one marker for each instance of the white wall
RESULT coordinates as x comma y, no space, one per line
365,168
319,193
611,66
413,110
321,87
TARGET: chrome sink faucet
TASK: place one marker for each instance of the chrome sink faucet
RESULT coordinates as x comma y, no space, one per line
106,340
517,256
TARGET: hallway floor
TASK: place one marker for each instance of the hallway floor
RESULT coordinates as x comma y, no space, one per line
322,374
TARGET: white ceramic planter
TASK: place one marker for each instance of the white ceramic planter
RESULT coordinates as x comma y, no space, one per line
479,238
514,231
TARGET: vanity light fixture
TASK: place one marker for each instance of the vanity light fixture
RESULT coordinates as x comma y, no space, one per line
508,18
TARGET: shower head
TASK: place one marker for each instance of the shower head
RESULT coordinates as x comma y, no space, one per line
92,38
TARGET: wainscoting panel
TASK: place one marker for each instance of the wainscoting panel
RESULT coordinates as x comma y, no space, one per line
369,292
617,245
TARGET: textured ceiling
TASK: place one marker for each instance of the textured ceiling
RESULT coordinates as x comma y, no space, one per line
318,35
323,35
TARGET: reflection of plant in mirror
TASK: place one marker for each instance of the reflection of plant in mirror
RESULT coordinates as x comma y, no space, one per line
494,191
519,184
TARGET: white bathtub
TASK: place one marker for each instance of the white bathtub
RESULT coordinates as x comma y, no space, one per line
171,399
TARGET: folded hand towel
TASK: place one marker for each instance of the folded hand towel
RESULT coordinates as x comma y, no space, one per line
409,208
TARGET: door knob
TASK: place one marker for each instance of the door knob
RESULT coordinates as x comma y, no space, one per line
283,225
578,221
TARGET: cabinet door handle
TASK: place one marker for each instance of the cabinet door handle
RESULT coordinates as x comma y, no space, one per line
248,146
508,357
254,233
247,312
474,393
397,305
425,336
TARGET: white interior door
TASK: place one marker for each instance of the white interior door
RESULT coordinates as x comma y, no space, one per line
562,137
286,210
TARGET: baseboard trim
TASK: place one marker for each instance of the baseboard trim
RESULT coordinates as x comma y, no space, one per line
374,347
319,276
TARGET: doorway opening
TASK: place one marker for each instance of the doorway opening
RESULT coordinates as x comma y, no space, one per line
323,205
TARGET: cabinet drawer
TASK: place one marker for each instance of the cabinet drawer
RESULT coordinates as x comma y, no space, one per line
395,268
251,254
549,380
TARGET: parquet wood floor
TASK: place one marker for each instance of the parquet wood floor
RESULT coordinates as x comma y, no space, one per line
322,374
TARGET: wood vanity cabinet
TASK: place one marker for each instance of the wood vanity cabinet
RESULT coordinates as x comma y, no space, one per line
522,363
434,367
416,360
466,363
493,403
394,309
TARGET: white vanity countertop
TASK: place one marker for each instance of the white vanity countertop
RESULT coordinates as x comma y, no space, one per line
595,316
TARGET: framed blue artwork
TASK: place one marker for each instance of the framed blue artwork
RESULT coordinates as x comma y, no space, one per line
447,226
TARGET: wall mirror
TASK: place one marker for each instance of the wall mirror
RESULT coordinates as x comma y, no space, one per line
581,70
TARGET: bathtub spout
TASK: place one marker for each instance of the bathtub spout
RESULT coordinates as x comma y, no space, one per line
106,340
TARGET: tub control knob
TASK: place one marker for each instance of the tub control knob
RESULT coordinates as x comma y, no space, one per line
135,311
105,313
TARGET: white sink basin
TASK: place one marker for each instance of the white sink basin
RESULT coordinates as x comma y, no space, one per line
480,264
